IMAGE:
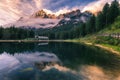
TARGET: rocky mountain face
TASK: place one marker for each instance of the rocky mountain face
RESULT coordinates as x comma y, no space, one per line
70,14
43,14
74,17
41,19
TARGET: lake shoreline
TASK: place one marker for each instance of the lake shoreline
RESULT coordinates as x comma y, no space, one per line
74,41
96,45
25,41
104,47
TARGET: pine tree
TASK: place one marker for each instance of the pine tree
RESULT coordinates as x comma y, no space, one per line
90,25
105,12
1,32
113,11
99,22
82,30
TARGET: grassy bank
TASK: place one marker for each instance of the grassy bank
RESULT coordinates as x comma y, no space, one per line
115,48
109,44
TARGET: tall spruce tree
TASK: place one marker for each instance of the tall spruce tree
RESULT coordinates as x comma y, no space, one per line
105,12
113,11
90,25
99,21
82,30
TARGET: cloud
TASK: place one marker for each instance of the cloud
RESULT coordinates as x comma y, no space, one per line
56,5
95,6
12,10
60,11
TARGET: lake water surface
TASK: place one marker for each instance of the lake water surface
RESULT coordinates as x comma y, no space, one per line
57,61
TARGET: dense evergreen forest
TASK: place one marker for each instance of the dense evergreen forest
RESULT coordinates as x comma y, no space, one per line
13,33
96,23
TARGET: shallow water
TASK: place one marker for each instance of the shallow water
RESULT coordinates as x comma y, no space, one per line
57,61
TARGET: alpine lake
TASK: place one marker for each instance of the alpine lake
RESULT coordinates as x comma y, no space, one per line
57,61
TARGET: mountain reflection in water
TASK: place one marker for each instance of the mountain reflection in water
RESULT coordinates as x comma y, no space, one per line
31,66
57,61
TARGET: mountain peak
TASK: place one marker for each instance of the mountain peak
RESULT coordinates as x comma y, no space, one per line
70,14
40,13
43,14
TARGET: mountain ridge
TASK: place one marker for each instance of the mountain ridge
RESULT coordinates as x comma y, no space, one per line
42,19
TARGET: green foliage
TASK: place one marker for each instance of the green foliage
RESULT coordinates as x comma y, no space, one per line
99,22
90,25
116,24
108,15
105,14
67,31
107,40
113,28
13,33
113,11
116,48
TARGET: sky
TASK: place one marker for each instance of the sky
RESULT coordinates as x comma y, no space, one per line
12,10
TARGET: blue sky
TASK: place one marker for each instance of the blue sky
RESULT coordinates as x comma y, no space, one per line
12,10
58,4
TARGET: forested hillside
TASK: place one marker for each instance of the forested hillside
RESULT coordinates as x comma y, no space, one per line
103,20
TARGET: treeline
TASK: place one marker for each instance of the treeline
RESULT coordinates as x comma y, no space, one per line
96,23
108,15
13,33
63,32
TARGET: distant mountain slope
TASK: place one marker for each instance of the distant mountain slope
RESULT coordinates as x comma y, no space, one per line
42,19
74,17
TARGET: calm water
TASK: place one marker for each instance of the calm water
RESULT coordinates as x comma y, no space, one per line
57,61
